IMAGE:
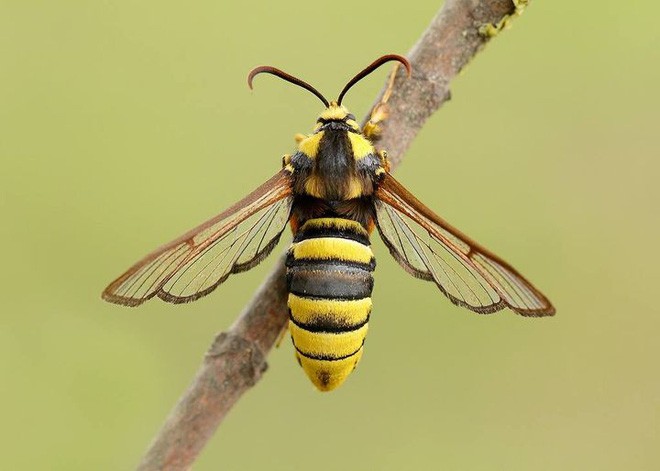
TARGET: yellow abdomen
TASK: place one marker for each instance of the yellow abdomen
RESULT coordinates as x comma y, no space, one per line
329,276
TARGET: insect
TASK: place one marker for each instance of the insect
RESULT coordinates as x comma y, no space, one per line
333,191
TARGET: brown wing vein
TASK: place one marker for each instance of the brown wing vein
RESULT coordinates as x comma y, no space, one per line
269,203
226,251
493,275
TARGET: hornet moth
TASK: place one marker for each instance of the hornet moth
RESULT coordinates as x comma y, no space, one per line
333,191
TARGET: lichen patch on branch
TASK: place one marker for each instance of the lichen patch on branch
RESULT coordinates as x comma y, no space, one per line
490,30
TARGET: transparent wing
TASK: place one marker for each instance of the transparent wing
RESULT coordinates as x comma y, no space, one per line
200,260
431,249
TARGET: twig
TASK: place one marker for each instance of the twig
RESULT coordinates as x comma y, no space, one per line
237,358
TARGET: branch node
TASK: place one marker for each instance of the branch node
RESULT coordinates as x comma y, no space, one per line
238,353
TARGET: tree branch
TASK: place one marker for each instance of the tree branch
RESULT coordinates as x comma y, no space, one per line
237,358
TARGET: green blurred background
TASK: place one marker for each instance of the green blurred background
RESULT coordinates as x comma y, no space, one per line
123,124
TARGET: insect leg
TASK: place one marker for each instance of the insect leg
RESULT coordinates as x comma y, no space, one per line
382,155
380,112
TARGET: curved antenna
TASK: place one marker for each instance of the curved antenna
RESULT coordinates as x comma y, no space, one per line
266,69
373,66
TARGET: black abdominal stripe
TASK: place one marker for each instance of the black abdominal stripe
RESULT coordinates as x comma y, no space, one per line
329,277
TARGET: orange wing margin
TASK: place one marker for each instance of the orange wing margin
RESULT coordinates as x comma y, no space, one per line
430,248
196,263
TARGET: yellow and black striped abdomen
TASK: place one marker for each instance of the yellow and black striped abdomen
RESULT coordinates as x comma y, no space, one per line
329,276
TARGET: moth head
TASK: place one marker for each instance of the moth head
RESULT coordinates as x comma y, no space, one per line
336,116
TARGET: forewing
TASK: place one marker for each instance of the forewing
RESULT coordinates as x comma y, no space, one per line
200,260
430,248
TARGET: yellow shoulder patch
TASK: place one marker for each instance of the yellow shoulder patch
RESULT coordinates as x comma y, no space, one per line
360,145
310,145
